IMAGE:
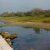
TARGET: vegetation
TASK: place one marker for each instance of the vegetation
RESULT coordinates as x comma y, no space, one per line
35,15
35,12
27,19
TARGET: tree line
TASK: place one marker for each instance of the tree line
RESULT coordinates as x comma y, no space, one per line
35,12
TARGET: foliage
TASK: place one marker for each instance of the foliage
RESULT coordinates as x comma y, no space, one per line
33,13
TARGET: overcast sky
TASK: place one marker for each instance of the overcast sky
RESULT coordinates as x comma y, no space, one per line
23,5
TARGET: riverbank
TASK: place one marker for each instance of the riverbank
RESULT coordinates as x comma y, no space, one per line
8,37
26,22
33,24
4,45
30,24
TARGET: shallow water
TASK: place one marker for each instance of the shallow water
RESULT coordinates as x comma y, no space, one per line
35,38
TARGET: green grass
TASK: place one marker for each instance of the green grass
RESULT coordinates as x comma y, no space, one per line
33,19
27,19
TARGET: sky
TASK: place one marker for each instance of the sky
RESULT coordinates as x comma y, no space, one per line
23,5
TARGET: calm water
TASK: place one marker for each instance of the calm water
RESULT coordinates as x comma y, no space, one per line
38,39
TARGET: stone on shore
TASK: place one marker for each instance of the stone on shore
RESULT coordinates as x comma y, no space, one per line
7,35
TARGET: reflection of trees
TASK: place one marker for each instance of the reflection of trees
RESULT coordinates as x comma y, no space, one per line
47,29
37,30
1,29
2,24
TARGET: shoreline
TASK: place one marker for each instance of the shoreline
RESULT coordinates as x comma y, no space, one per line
30,24
4,45
24,22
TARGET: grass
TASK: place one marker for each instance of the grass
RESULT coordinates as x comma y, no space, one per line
33,19
27,19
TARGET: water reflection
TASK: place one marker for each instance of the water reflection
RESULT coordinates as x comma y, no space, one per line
47,29
37,30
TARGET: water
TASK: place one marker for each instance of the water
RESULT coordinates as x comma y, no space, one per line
35,38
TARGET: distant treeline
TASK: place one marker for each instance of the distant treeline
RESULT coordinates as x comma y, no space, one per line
33,13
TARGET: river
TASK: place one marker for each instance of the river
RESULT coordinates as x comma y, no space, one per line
35,38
